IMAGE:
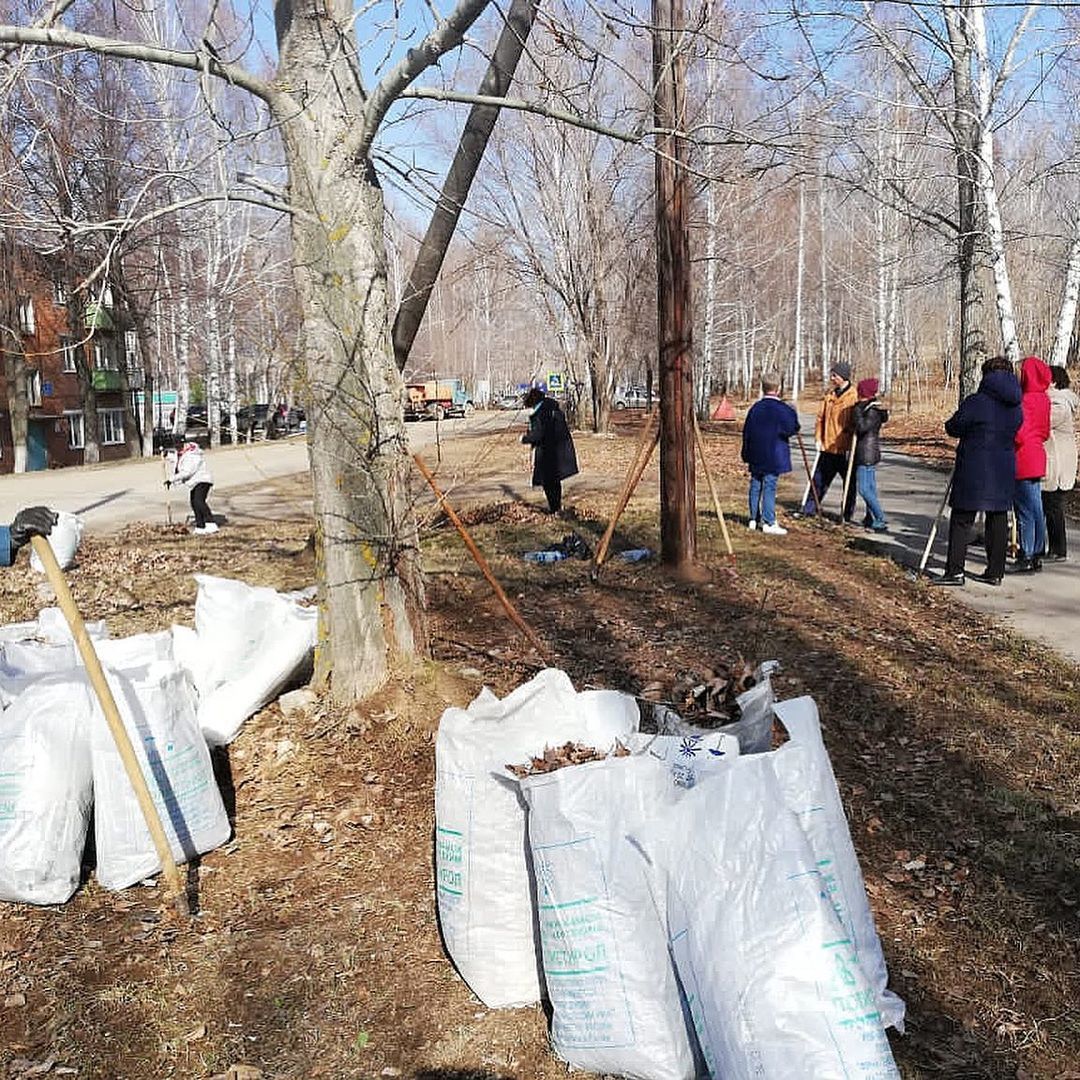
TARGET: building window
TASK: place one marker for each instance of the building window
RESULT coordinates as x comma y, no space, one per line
131,350
76,430
112,426
67,353
59,292
26,315
103,356
33,388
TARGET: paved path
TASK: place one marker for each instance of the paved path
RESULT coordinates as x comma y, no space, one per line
1045,607
250,482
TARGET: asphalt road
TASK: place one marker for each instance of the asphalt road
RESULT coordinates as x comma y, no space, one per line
1044,606
114,494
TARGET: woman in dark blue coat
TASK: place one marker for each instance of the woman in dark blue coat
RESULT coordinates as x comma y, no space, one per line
984,476
554,458
769,424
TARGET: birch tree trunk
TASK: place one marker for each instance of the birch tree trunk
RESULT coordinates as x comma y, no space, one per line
800,275
966,144
988,187
1066,320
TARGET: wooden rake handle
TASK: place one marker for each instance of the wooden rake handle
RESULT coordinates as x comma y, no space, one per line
511,611
173,885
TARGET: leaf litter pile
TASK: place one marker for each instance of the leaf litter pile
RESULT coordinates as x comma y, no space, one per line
562,757
315,952
707,697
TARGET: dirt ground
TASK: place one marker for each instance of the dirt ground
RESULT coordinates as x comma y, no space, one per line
315,952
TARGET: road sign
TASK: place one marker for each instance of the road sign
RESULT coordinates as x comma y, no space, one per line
555,382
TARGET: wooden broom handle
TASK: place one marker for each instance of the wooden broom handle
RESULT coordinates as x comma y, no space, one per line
173,883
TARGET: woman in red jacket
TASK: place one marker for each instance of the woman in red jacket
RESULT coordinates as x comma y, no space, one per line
1031,465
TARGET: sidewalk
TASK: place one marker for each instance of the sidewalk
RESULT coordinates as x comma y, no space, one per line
1044,607
111,495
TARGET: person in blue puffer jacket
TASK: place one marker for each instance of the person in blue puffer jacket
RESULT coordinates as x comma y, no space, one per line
769,424
33,521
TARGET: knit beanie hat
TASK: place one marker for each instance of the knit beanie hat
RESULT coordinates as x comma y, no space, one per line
868,388
842,369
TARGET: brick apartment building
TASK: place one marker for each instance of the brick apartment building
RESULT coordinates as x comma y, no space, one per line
56,418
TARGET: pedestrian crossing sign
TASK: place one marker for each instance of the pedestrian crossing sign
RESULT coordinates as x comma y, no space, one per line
555,382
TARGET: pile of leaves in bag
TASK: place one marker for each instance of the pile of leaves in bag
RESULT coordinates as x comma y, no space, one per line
560,757
706,698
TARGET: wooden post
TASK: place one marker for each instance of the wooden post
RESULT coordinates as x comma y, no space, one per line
678,502
847,483
478,557
712,489
173,884
810,488
642,456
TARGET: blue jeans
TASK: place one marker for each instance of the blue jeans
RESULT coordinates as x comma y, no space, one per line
1030,520
866,483
763,495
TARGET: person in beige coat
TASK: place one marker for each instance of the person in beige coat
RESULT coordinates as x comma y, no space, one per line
1060,462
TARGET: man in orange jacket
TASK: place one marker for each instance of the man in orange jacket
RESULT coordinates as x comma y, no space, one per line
833,434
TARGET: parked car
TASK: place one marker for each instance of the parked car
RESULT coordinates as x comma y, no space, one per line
507,401
632,397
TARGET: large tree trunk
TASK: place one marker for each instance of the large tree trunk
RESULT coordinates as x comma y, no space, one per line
371,599
678,509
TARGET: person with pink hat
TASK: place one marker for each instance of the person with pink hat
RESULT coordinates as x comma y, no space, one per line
868,417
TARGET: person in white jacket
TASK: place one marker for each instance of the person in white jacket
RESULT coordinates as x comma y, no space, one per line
188,467
1060,462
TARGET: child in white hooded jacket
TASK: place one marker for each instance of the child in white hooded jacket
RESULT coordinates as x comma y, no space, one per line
188,465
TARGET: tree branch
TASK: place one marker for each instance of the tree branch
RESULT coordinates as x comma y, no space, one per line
148,53
520,105
448,35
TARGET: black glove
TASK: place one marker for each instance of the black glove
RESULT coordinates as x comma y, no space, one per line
33,521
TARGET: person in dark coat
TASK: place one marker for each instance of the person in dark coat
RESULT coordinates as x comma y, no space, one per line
868,418
769,424
554,458
984,476
33,521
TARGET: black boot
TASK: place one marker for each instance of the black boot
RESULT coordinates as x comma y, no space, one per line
1022,566
949,579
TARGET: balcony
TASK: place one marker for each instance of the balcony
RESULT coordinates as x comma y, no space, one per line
97,316
104,379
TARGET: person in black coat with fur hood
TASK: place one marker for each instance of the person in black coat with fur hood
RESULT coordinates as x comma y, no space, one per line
554,458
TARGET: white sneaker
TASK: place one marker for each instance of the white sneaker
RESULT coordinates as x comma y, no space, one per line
774,530
199,530
751,525
210,527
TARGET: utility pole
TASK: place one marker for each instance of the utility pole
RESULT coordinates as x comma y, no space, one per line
678,497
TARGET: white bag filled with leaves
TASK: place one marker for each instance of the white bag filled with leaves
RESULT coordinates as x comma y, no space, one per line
482,873
64,539
23,663
45,790
157,705
251,643
616,1006
774,984
810,792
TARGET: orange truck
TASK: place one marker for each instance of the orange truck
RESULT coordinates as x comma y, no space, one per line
436,399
